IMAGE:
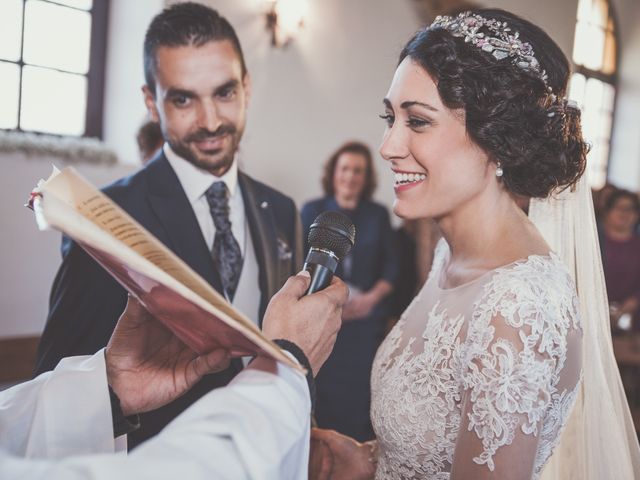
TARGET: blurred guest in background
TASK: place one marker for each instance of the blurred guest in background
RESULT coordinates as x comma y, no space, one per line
621,257
150,140
370,270
620,246
600,198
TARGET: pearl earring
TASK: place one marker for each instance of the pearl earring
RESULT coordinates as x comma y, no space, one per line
499,171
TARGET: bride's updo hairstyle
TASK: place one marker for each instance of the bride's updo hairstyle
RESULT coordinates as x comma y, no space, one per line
515,105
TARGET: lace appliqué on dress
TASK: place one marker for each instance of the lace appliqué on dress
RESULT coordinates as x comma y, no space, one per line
424,415
510,363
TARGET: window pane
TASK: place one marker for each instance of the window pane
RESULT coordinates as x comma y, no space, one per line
10,29
604,132
9,88
576,88
594,94
591,122
57,37
580,41
53,102
584,9
589,126
82,4
594,48
597,164
588,46
608,97
593,163
597,179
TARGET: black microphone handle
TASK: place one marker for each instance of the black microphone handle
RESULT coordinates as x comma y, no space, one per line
320,277
321,264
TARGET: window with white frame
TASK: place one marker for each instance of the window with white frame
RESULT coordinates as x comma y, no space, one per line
593,83
52,66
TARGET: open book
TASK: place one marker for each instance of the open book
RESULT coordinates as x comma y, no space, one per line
168,288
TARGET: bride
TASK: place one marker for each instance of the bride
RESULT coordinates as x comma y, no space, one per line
496,363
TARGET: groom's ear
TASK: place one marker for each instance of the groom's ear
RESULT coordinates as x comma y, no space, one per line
150,103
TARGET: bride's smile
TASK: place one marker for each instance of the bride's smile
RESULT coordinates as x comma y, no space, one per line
405,180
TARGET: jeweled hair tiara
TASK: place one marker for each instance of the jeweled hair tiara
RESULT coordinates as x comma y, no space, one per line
501,43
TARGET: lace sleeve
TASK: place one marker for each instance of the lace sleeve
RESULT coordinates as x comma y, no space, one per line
518,384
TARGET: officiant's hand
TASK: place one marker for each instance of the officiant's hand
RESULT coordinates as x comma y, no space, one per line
148,366
337,457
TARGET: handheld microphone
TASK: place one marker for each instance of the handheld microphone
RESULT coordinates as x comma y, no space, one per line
331,237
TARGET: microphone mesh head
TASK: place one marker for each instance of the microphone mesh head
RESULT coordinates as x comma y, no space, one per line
332,231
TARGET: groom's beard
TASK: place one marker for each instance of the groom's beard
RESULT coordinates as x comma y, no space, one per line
217,160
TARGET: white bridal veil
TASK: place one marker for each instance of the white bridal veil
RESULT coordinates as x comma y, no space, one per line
599,441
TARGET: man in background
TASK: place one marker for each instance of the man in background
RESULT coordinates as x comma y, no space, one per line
150,141
238,234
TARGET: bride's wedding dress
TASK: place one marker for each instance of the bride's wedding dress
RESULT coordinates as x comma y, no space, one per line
497,359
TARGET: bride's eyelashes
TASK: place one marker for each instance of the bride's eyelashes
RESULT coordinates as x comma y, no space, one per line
388,118
415,123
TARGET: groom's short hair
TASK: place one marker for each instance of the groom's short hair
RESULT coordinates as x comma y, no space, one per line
184,24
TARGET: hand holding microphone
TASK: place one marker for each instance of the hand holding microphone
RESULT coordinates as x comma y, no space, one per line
318,318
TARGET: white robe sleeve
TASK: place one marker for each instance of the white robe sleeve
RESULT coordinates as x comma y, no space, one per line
256,428
63,412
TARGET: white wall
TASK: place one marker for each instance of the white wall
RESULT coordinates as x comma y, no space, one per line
124,109
29,258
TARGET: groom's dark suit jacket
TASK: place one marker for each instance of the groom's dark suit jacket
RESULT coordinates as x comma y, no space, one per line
86,302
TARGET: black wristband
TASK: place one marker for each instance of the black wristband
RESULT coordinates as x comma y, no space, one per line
302,359
121,425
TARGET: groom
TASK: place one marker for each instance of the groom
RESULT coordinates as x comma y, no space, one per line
240,235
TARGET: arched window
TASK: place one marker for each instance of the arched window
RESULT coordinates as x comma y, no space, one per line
593,84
